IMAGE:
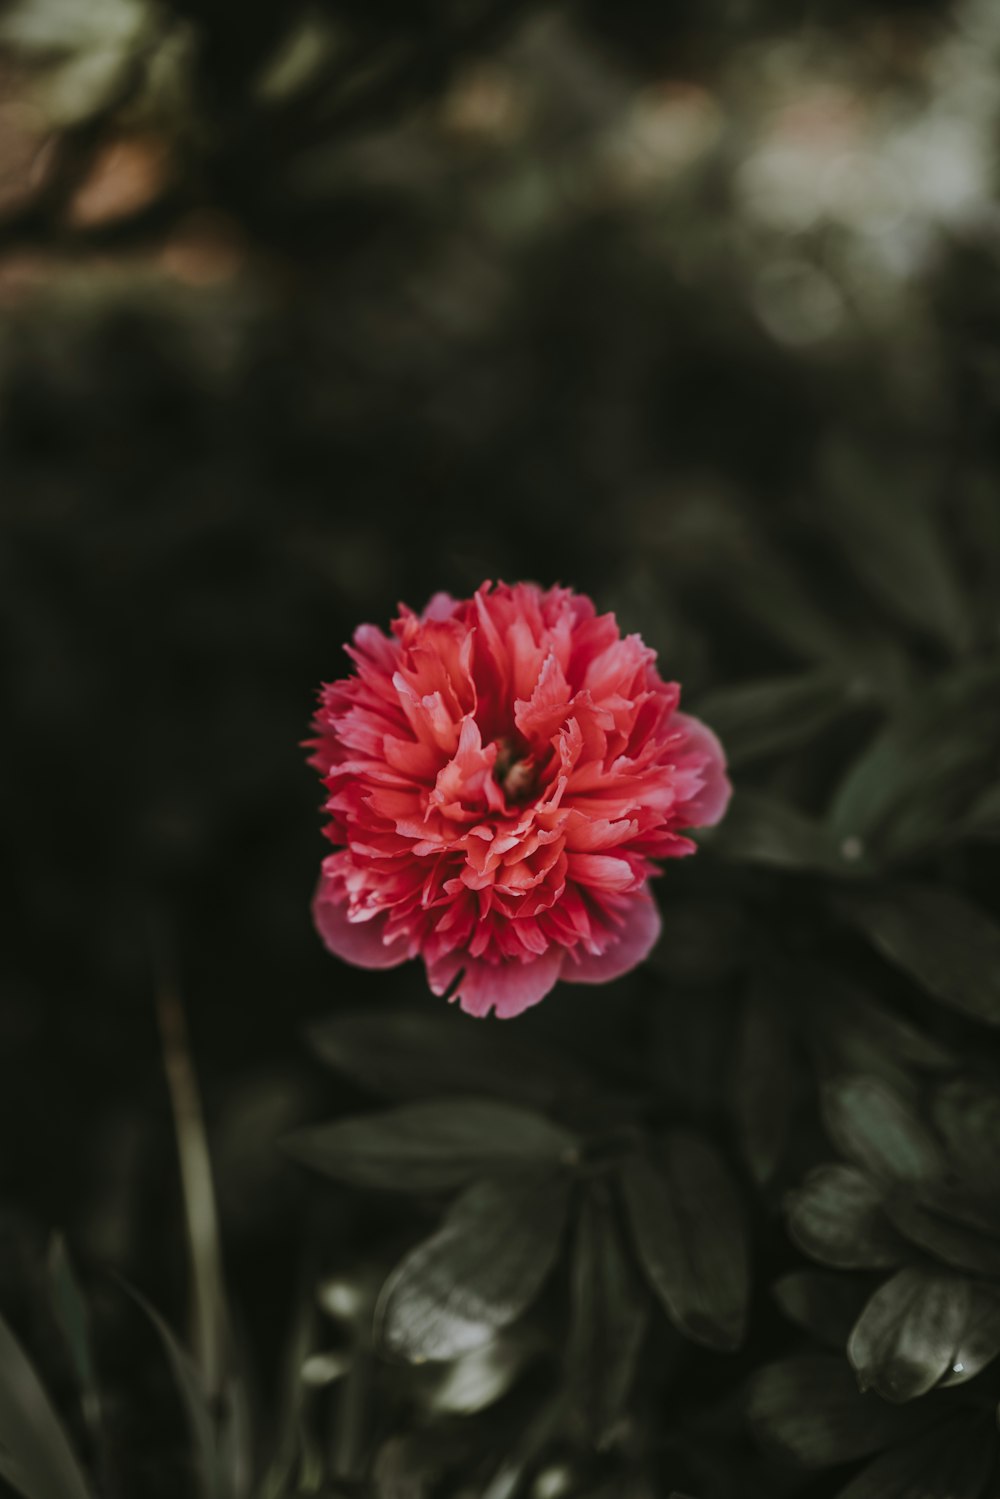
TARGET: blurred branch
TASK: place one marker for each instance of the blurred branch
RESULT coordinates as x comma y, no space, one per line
414,72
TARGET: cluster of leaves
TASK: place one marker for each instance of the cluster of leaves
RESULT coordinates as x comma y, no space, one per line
885,982
634,1217
39,1460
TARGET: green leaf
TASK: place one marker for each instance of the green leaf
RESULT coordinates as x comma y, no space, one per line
478,1273
191,1389
978,1207
822,1303
763,1084
300,1341
609,1313
979,1343
404,1054
906,1338
811,1409
967,1113
755,719
949,947
235,1423
934,1229
690,1234
758,829
209,1314
36,1456
838,1217
71,1312
952,1461
877,1131
849,1030
910,785
432,1146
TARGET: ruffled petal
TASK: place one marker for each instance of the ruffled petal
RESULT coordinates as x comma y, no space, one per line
636,940
508,988
359,942
708,805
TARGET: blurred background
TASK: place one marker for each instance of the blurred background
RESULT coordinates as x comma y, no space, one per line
311,307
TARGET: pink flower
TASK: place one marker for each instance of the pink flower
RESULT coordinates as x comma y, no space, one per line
502,771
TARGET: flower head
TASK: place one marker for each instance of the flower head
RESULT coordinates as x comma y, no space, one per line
502,772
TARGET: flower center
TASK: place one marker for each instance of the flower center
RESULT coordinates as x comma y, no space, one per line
515,771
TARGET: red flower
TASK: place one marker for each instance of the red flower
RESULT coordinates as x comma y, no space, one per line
501,771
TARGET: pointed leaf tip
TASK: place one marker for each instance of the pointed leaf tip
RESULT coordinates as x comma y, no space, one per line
690,1235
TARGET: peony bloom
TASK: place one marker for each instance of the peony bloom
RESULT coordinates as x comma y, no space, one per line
502,771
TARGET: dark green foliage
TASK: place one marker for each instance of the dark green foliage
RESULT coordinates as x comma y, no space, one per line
825,1305
907,1337
953,1461
690,1236
478,1273
608,1317
35,1456
759,829
757,719
872,1127
763,1083
967,1114
958,1230
911,787
810,1408
205,1445
946,944
417,1054
838,1216
431,1147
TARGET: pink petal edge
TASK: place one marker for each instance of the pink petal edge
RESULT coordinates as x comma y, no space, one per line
361,943
636,942
709,806
507,988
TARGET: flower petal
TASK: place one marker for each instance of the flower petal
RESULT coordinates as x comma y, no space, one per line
359,942
635,942
708,805
508,988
